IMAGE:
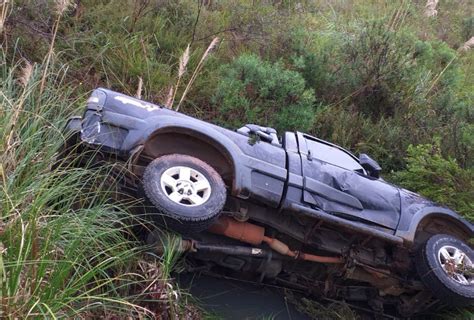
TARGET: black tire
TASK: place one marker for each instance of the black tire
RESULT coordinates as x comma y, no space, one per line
443,286
184,217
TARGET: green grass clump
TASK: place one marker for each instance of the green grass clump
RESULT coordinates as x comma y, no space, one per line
58,259
66,250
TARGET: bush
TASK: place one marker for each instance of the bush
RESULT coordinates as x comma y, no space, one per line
254,91
384,89
366,68
438,178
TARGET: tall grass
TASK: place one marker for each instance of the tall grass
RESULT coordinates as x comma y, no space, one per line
61,6
67,249
57,258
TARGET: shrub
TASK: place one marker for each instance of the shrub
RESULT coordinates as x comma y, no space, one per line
438,178
384,140
251,90
384,89
365,68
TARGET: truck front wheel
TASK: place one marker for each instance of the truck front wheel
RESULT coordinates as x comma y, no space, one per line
188,192
445,265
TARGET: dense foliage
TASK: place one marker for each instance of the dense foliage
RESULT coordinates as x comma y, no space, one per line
54,252
256,91
373,76
440,179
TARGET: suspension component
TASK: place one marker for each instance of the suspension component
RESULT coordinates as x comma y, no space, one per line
255,235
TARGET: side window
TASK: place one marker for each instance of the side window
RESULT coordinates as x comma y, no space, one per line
333,156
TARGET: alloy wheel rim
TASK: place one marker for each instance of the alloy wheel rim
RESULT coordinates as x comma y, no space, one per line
185,186
456,264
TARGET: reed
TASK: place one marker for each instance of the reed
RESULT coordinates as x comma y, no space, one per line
60,7
430,8
183,62
139,88
469,44
198,68
5,8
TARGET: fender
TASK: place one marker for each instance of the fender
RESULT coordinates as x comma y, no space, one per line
407,231
160,123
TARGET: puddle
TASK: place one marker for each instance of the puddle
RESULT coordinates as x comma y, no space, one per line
231,299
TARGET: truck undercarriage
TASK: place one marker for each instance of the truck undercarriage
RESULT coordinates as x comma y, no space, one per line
323,262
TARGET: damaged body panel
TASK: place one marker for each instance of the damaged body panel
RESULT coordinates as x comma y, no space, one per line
297,210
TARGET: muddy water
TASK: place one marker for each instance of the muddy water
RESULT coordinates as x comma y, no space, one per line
229,299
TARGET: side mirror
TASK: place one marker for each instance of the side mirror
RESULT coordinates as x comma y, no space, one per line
370,165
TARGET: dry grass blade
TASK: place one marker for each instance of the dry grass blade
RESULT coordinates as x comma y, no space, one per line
61,6
430,8
3,14
25,74
183,62
169,98
399,16
211,47
139,88
208,51
468,45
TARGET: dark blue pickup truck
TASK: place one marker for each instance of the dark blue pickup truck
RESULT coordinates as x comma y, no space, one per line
294,210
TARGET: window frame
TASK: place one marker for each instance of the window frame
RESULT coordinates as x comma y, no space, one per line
308,152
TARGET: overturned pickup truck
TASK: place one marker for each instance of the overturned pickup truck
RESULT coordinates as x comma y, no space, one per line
294,210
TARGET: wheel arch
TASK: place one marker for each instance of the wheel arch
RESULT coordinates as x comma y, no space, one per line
430,221
207,145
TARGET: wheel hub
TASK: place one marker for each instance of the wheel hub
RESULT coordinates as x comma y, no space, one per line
456,264
185,186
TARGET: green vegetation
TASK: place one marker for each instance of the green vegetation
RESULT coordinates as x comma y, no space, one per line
66,250
439,179
373,76
318,311
252,90
55,257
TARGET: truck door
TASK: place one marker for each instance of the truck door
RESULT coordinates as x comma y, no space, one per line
334,181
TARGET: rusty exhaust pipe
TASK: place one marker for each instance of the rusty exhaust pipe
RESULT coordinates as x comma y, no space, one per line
255,235
320,259
242,231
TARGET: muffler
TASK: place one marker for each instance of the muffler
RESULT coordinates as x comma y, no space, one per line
255,235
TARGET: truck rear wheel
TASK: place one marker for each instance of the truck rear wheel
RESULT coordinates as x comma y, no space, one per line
188,192
446,266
